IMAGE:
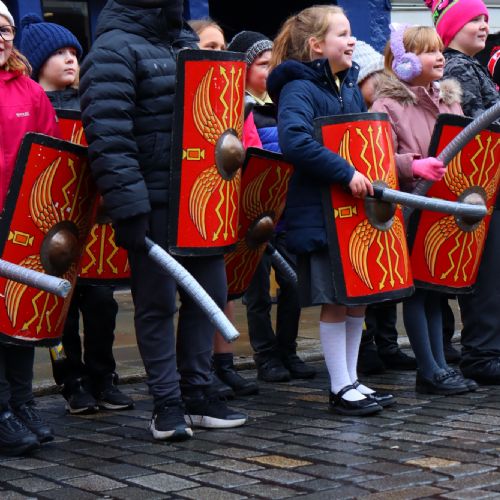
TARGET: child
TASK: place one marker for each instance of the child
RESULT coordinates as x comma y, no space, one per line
464,29
53,52
412,99
127,95
24,107
227,382
379,347
275,353
210,34
314,78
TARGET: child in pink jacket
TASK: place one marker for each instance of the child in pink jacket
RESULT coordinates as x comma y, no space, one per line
24,107
411,96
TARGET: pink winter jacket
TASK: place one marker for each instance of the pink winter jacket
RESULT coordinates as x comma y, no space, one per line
413,112
24,107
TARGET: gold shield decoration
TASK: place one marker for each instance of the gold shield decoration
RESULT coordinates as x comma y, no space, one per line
263,195
206,153
447,249
367,240
47,216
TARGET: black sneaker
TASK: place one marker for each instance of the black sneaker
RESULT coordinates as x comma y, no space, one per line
109,397
15,438
168,422
79,399
209,412
297,367
29,415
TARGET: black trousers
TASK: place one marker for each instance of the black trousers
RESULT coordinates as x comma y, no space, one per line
16,374
480,310
265,342
154,295
99,310
380,321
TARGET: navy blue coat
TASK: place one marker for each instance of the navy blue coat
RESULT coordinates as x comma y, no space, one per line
303,92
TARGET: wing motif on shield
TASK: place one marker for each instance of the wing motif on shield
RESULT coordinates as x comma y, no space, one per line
57,221
209,182
391,243
209,125
461,258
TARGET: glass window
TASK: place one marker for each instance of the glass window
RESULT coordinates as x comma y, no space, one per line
72,15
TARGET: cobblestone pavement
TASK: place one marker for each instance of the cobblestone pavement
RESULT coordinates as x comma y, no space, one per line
424,447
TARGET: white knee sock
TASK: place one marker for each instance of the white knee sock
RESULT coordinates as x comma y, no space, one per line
354,329
333,341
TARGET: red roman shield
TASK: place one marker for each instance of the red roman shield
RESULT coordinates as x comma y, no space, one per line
206,153
48,214
103,262
366,240
263,195
446,249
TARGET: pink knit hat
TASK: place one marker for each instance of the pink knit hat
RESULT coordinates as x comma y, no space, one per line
450,16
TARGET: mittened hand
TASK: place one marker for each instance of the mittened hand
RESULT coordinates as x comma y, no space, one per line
131,233
430,168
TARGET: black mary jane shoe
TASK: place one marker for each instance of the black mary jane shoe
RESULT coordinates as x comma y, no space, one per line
338,404
384,399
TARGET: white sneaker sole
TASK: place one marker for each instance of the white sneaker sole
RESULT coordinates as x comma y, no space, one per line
88,410
212,422
173,435
108,406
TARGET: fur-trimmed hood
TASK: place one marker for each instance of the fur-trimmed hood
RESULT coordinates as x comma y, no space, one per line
390,87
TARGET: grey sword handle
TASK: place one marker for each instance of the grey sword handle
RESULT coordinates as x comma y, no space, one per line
30,277
457,143
280,263
184,279
432,204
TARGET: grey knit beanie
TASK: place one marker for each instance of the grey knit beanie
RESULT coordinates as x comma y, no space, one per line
370,61
251,43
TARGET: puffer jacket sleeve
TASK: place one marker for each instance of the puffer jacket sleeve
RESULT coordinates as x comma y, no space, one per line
296,138
108,99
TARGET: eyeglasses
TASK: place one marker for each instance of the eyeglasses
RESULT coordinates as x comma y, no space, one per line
7,33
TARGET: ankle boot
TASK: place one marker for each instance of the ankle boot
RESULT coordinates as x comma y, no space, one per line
225,371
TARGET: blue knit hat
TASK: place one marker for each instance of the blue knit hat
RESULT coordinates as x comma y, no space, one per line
39,40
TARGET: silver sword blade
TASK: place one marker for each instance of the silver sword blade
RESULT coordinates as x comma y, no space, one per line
185,279
30,277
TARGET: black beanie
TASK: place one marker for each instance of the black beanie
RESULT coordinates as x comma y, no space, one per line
251,43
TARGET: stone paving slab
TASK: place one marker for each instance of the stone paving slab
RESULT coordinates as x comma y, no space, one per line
423,447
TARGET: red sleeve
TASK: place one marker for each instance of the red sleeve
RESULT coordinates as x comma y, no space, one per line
250,135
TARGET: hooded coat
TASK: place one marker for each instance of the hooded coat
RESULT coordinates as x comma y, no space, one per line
303,92
127,91
413,112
